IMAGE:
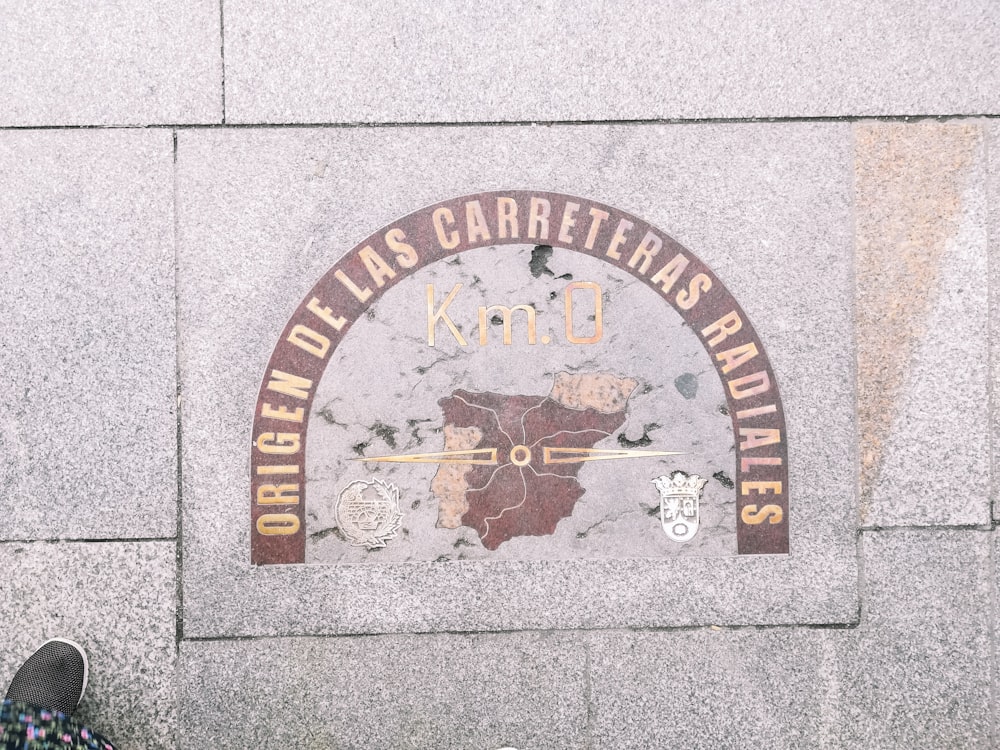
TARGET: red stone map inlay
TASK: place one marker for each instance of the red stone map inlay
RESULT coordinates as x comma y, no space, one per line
508,500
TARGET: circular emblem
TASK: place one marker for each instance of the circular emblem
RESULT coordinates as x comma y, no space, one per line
368,513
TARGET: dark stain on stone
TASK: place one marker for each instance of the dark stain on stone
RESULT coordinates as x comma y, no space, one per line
652,511
539,263
687,385
443,558
645,440
324,533
415,504
724,410
370,313
552,296
462,543
385,432
360,448
414,426
327,414
456,261
722,478
497,319
648,388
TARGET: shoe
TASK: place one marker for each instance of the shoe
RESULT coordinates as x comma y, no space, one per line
53,678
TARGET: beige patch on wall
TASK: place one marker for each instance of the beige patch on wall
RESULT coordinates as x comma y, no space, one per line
909,183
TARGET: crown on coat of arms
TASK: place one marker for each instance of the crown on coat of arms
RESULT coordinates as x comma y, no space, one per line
680,484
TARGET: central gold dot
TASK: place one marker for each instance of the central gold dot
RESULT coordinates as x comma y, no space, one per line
520,455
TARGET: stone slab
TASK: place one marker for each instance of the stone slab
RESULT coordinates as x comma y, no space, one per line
386,61
263,214
118,600
923,291
88,426
914,674
110,63
418,691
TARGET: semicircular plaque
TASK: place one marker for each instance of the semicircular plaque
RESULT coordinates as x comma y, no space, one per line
517,375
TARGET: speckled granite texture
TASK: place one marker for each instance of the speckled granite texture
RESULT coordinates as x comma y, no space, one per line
174,179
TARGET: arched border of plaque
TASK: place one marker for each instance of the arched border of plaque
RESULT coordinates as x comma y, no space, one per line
387,257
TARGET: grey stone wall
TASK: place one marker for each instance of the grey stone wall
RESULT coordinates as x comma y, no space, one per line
174,177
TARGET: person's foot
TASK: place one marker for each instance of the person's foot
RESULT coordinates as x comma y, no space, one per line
53,678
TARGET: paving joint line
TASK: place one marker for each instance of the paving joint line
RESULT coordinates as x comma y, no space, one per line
222,54
588,693
527,631
179,558
989,526
855,365
509,123
992,172
991,627
89,540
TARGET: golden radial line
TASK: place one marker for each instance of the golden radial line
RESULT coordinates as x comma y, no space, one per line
578,455
568,432
524,499
476,457
491,411
524,429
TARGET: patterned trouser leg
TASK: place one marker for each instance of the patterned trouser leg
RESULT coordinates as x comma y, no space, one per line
27,727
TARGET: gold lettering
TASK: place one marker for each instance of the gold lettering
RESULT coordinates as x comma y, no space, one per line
476,222
746,463
278,524
308,340
278,469
722,329
290,385
278,494
688,298
595,289
737,356
507,218
326,314
755,437
507,314
406,254
750,385
538,218
568,222
647,248
442,315
761,488
667,276
378,269
281,412
441,215
279,443
618,239
361,294
752,516
756,411
598,217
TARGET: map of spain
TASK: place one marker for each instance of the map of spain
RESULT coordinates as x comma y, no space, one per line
532,484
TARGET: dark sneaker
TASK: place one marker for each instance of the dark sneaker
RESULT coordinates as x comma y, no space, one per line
53,678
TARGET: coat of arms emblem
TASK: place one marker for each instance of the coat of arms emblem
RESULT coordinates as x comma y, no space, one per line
368,513
680,494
